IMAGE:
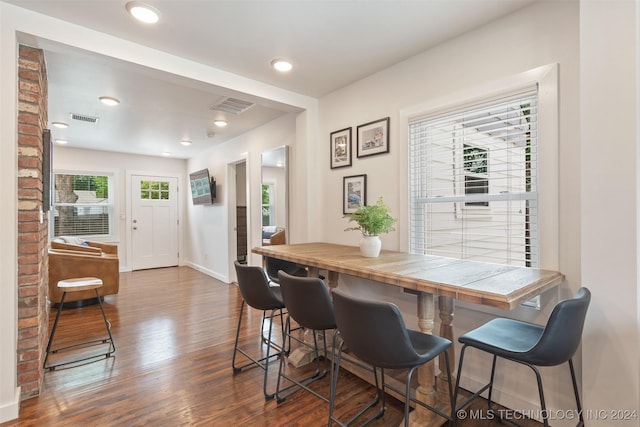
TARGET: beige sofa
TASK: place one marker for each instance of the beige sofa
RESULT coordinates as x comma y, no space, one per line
89,259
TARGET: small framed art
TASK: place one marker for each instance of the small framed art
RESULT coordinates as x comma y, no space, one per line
340,145
373,138
354,193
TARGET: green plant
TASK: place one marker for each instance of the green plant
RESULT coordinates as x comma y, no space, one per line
372,220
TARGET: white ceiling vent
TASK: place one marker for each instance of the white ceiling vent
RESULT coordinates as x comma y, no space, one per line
232,105
84,118
210,134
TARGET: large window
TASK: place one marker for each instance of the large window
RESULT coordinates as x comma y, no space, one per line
82,205
473,181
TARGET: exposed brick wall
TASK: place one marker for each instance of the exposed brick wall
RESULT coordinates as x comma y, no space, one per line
33,310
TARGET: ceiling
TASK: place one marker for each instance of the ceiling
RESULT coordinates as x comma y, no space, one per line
331,43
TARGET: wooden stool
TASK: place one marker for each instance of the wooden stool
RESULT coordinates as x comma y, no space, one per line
78,285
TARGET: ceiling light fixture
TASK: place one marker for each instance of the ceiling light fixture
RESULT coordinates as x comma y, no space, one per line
107,100
143,12
281,65
185,143
61,141
220,123
166,154
60,125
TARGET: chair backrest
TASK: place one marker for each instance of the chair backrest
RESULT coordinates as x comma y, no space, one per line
374,331
274,265
255,289
308,301
563,331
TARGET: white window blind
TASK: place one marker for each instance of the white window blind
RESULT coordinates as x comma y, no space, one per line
82,205
473,181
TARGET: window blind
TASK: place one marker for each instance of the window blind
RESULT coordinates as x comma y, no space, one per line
81,205
473,181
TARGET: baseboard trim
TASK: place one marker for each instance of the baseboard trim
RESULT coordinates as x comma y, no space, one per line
208,272
11,410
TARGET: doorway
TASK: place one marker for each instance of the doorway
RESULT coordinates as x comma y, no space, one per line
241,212
154,222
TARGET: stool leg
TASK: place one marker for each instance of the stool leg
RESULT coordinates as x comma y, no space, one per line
107,324
53,332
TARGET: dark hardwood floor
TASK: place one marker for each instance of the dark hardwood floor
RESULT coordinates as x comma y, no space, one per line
174,330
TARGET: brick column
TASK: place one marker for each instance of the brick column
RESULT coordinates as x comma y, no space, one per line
33,310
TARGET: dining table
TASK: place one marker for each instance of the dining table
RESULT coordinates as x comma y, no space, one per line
430,278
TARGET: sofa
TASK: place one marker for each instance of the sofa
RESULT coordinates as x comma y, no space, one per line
69,258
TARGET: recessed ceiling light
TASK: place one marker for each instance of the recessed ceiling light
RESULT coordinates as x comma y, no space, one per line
61,141
60,125
107,100
143,12
185,143
281,65
166,153
220,123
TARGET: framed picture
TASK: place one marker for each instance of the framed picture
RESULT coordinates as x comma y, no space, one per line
354,193
340,145
373,138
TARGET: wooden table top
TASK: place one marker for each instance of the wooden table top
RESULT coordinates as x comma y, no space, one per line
496,285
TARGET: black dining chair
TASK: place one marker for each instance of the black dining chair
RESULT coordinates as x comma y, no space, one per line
375,333
531,345
274,265
259,294
308,303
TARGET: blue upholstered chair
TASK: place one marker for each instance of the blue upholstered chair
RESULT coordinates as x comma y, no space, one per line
531,345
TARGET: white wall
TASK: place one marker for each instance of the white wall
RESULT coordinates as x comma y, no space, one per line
609,188
544,33
68,159
209,239
9,392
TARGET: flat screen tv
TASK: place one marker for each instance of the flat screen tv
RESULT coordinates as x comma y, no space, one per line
203,187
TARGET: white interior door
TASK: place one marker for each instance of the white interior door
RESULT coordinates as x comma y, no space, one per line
154,222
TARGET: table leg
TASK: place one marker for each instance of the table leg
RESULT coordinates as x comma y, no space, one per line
425,391
446,307
332,279
313,272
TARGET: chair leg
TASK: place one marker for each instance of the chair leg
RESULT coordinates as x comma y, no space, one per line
335,370
408,398
300,383
575,390
268,396
477,393
543,406
493,372
235,345
112,345
262,362
53,332
108,326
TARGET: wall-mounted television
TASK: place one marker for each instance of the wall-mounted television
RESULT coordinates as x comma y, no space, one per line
203,187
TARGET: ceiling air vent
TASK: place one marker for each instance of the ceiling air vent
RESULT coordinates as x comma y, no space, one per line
232,105
83,118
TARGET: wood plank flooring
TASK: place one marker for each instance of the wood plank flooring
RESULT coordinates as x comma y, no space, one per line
174,331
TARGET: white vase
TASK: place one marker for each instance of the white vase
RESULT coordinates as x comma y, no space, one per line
370,246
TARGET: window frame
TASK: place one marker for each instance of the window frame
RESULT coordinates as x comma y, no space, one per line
546,77
111,207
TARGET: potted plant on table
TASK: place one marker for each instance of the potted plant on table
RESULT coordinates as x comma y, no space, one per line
372,221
